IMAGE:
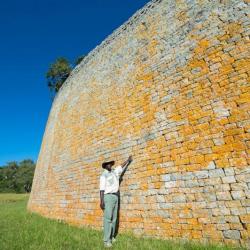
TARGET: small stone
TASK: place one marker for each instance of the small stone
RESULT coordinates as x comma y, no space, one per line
220,211
238,210
168,164
229,171
164,214
218,220
238,186
232,219
190,94
223,196
232,234
216,173
242,177
188,176
191,183
204,220
211,165
238,195
247,192
201,174
221,112
215,66
218,141
176,176
185,214
222,227
170,184
166,177
210,197
213,181
222,187
179,198
160,198
228,179
167,205
245,203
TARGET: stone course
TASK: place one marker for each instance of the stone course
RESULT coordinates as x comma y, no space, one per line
171,87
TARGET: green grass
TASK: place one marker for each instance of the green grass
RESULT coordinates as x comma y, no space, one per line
12,197
20,229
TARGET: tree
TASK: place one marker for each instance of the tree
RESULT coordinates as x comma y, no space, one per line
59,71
17,177
57,74
24,176
79,59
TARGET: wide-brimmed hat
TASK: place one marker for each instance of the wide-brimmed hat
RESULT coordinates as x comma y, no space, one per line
104,164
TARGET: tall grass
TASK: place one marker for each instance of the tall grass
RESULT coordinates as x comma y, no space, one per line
21,230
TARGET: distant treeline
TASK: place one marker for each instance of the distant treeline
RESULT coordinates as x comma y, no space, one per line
16,177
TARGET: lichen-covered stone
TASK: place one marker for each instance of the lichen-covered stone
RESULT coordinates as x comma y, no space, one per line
232,234
171,87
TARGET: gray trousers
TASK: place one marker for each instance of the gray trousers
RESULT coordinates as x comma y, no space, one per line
110,216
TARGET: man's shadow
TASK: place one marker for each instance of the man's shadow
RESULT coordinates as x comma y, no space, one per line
118,212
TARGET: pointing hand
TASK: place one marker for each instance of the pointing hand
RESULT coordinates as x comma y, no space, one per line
130,158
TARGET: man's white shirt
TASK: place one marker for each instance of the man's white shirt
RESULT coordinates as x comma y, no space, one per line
109,181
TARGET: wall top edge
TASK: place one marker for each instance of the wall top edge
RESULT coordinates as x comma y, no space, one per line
125,26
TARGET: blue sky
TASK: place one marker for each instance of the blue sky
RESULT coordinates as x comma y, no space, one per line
32,35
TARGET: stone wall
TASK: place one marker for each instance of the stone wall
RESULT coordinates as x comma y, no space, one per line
171,87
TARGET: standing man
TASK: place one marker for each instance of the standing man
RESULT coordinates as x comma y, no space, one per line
109,187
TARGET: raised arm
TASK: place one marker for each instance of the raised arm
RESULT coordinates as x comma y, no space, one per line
126,163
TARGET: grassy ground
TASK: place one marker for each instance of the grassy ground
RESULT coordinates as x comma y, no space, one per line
22,230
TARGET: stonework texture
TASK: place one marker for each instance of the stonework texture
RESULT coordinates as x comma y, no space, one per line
171,87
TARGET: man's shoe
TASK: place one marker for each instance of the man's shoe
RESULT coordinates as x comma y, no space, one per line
107,244
113,240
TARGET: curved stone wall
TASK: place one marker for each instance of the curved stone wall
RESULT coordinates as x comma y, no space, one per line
170,87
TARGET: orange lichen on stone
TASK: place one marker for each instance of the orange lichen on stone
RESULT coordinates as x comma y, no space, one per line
172,89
